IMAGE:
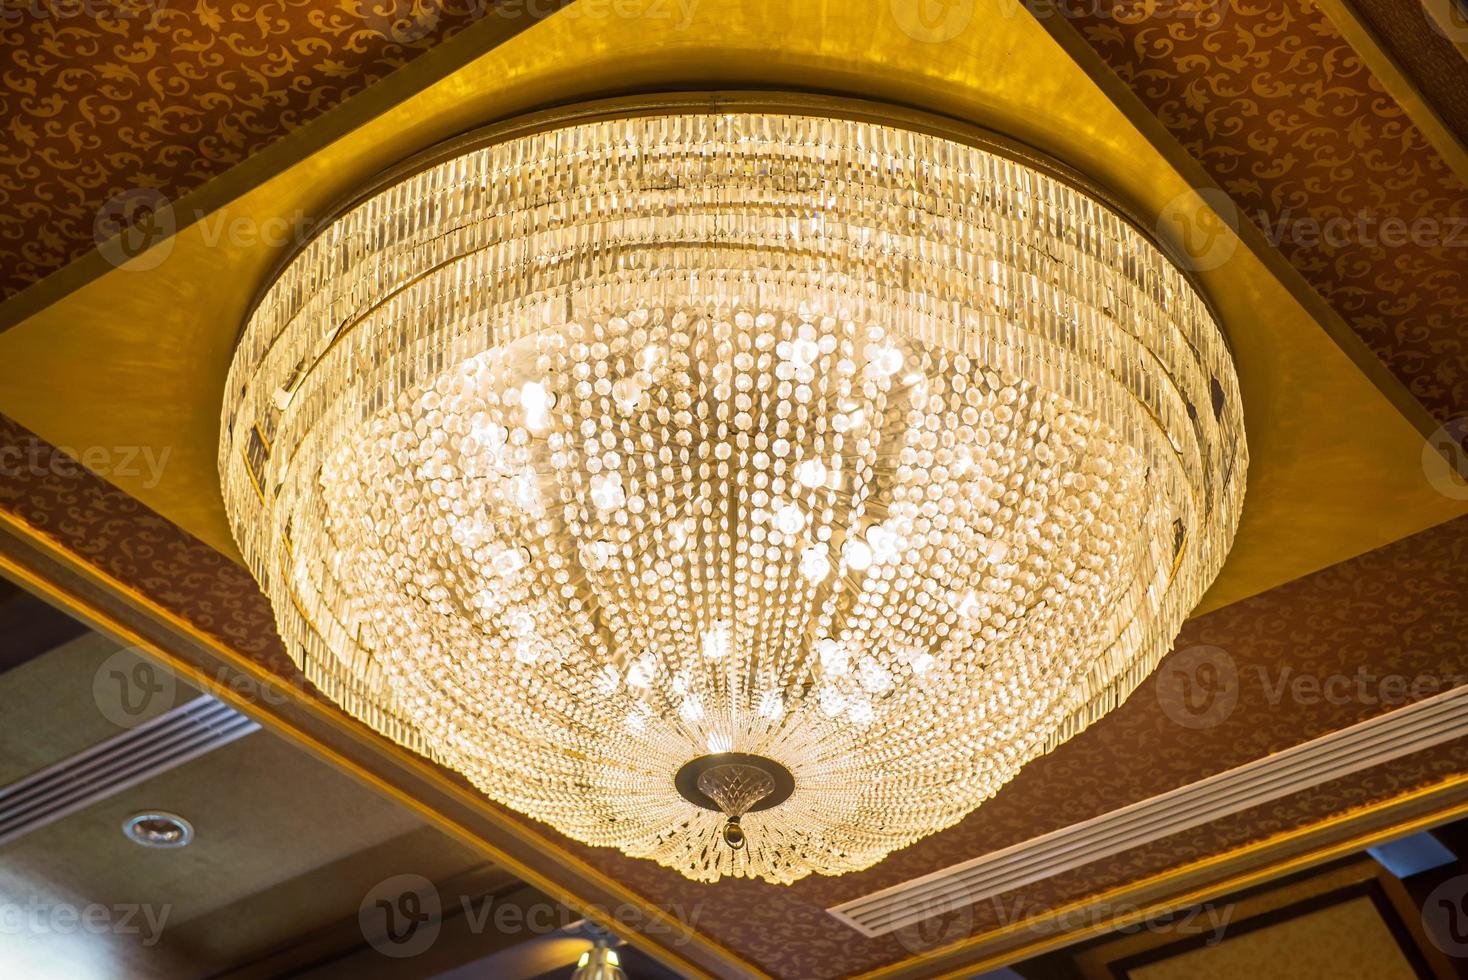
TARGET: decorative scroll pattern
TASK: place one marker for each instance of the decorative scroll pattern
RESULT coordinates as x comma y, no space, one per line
1276,106
109,105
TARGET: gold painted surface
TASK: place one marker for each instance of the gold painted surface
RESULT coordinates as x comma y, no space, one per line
1094,961
138,357
1346,940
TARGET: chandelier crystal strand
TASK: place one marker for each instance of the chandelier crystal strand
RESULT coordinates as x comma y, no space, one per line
579,456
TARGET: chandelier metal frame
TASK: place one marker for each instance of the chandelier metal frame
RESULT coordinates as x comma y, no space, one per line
784,101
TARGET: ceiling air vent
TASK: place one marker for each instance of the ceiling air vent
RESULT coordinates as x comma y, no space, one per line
138,754
1381,739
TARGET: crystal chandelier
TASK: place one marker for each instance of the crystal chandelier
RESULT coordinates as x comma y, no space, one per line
754,489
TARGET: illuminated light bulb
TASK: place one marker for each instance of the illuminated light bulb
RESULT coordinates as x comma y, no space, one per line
922,663
790,519
859,711
873,676
607,680
884,544
607,492
771,705
885,361
811,473
596,554
833,656
716,641
535,401
803,352
490,435
510,561
626,392
679,532
521,623
527,651
832,701
527,493
691,710
639,675
815,563
857,554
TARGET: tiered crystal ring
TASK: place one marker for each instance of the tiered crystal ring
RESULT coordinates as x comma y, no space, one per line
637,436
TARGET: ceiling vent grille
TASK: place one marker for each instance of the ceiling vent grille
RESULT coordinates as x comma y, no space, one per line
138,754
1381,739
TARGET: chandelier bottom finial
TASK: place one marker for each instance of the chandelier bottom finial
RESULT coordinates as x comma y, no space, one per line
733,783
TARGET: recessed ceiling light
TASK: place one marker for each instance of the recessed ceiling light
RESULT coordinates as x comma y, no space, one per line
158,829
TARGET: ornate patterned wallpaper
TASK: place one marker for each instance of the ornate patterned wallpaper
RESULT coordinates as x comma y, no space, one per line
107,104
1276,106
